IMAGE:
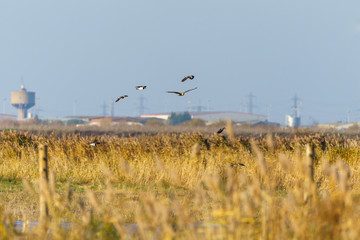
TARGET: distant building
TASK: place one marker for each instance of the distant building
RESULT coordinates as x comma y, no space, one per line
238,117
339,126
101,120
294,120
7,116
162,116
116,120
289,121
22,100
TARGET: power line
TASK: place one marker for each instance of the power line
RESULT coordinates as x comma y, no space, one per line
104,108
296,109
111,105
251,105
296,106
141,106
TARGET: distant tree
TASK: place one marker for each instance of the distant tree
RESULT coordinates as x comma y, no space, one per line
177,118
155,122
75,121
195,123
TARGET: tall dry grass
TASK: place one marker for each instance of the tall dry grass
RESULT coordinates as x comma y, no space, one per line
181,185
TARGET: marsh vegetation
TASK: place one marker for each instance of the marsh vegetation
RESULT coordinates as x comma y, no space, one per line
295,184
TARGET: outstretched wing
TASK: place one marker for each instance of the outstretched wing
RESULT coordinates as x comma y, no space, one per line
184,79
140,87
190,90
174,92
220,130
237,164
94,143
119,98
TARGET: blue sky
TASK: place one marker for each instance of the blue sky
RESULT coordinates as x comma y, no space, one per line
87,53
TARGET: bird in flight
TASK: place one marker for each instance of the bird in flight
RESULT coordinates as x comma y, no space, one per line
191,77
237,164
94,143
140,87
220,130
182,93
122,97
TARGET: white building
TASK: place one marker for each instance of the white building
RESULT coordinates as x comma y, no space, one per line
238,117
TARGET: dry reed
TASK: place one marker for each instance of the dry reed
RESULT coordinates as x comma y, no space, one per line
182,186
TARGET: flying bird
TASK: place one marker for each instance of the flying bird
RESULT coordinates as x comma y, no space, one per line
191,77
220,130
94,143
237,164
140,87
122,97
182,93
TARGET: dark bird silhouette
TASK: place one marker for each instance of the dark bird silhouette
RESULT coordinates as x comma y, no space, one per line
182,93
122,97
191,77
323,143
94,143
220,130
140,87
207,144
237,164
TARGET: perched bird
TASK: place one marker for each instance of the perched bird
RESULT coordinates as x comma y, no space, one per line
94,143
122,97
220,130
140,87
237,164
182,93
191,77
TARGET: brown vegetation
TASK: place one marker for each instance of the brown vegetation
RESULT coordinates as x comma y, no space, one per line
180,185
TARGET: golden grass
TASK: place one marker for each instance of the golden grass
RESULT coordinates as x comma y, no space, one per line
181,185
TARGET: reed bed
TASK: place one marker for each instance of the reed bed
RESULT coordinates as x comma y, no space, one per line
184,186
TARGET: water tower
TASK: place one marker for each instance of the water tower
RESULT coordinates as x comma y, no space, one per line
22,100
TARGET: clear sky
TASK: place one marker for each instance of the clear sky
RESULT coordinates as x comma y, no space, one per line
78,55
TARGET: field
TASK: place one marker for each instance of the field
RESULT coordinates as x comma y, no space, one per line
183,184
